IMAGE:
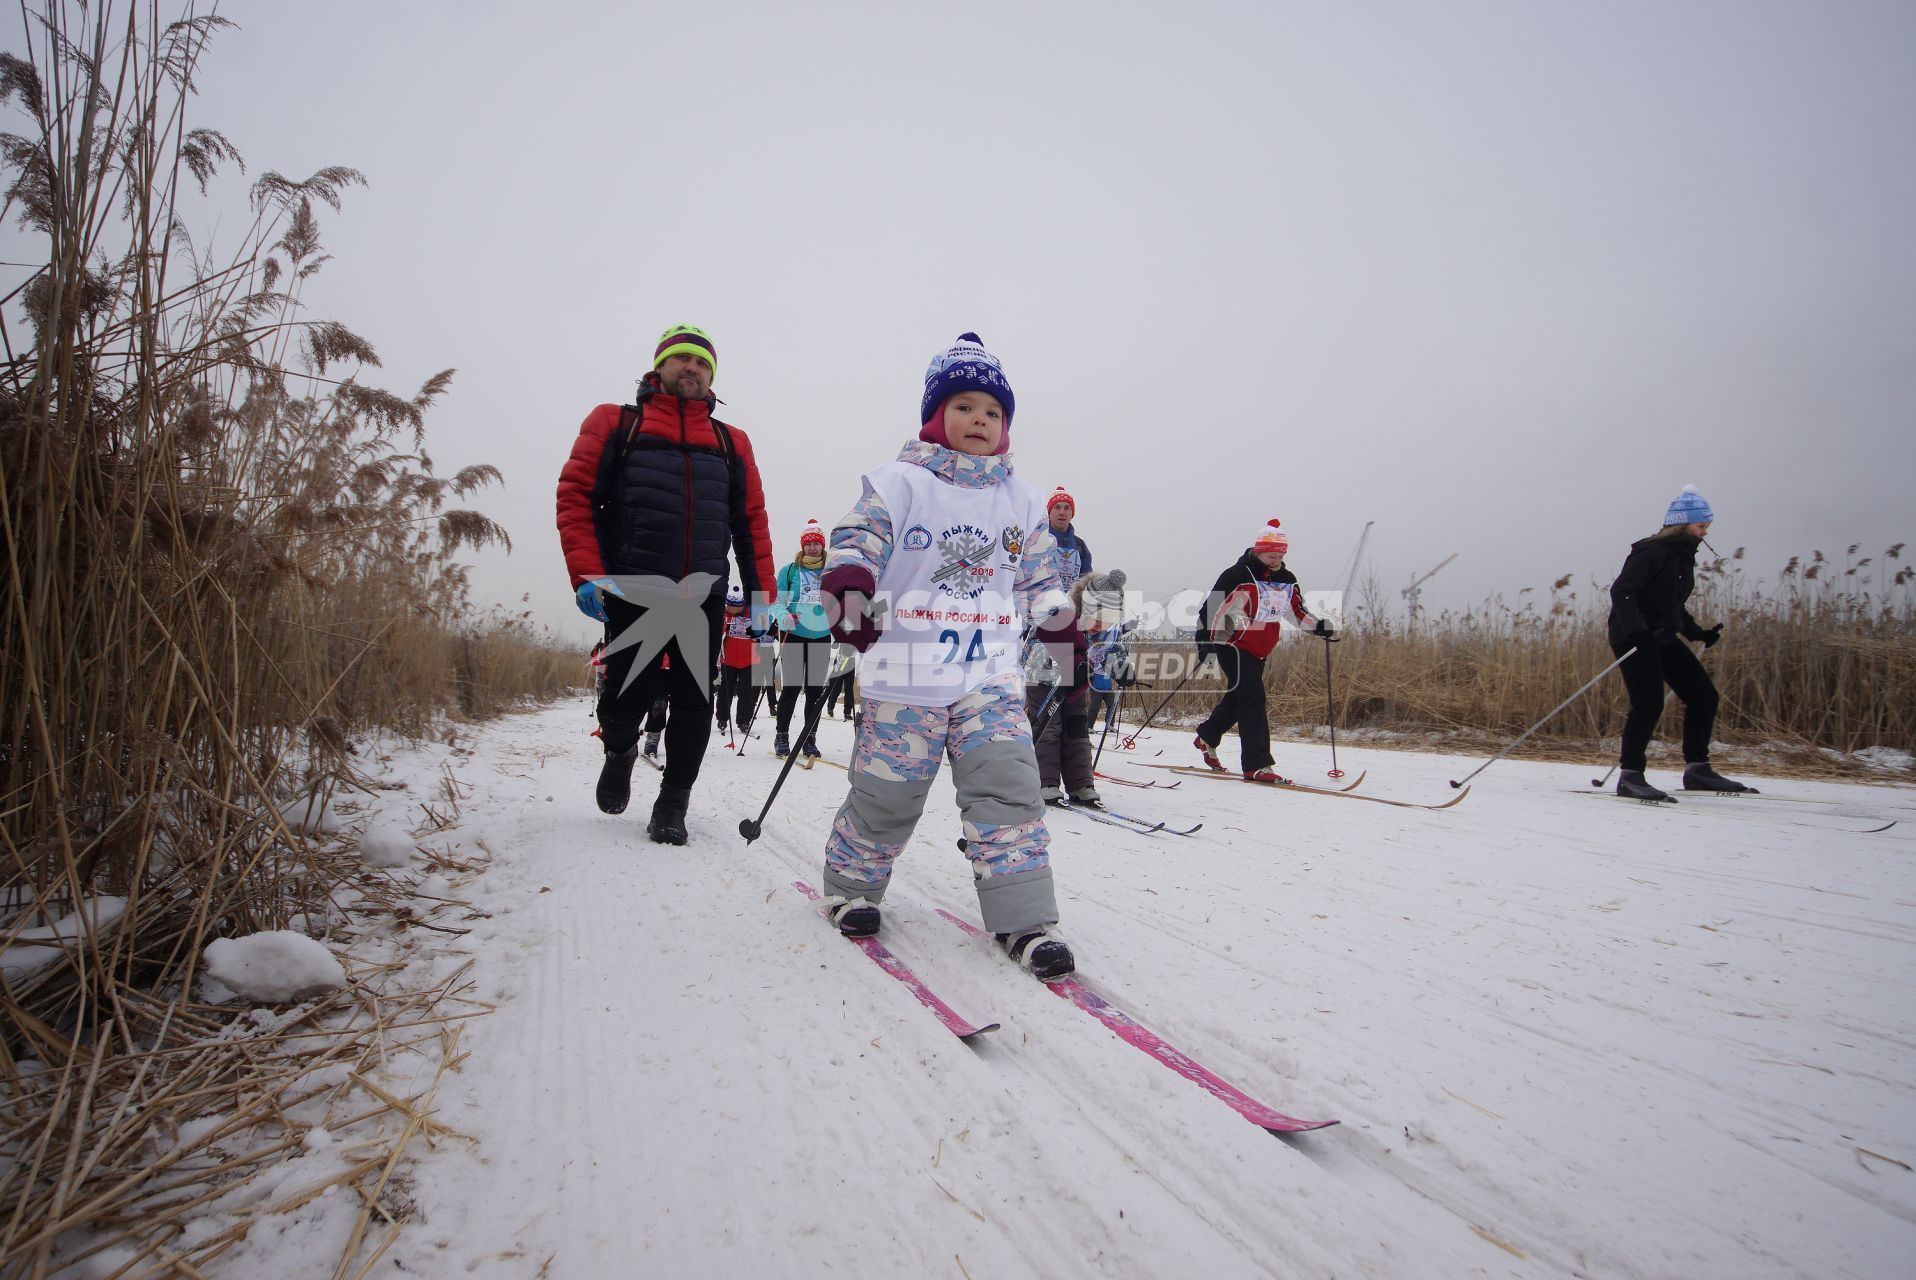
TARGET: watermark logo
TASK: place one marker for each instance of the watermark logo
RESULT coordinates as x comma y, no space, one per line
670,612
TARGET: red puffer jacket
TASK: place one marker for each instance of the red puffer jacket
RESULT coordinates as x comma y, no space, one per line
669,503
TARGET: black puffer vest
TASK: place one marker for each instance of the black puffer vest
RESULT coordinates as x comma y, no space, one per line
667,507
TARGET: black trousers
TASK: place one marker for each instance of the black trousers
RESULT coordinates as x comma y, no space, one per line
804,664
1103,702
1242,705
1645,672
686,686
735,682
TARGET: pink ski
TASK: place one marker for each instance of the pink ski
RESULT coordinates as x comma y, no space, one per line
884,959
1130,1031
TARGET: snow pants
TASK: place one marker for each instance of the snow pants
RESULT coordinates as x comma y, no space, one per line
1242,705
893,765
1064,748
1645,672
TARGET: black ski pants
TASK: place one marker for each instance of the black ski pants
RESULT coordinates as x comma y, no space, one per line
1064,747
735,683
1103,702
687,687
1242,705
803,664
1645,673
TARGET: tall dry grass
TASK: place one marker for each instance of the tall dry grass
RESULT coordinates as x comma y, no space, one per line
225,558
1821,656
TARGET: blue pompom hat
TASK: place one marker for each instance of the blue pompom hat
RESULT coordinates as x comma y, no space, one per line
965,366
1689,508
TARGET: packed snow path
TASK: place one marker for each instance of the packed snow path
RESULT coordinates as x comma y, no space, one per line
1566,1035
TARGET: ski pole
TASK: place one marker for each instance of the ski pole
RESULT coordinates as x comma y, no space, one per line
1042,720
751,714
1330,714
752,828
1546,720
1132,740
1117,700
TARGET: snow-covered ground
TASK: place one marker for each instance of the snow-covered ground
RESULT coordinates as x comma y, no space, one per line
1565,1035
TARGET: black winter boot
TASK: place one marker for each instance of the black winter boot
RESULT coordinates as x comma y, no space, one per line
1630,784
1701,777
668,816
615,779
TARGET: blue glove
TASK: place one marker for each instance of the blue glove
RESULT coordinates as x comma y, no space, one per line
588,597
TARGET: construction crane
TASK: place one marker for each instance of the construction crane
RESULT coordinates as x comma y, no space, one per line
1357,558
1415,589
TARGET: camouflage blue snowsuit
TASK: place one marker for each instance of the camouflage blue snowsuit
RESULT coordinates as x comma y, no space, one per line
985,732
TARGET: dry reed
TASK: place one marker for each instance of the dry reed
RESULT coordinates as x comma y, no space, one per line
226,559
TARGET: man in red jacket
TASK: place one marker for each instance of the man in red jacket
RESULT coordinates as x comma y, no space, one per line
653,497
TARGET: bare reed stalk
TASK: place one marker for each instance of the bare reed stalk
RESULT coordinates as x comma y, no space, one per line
225,557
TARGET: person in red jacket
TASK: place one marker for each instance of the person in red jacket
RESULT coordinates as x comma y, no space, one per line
737,664
1238,626
653,497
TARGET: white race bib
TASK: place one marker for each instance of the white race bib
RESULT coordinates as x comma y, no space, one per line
951,585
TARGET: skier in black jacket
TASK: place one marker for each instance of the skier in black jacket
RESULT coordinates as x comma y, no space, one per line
1648,614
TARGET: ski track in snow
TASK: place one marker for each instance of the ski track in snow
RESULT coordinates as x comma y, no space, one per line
1565,1039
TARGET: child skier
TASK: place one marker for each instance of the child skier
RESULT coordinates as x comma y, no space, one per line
1101,615
961,551
1238,625
1064,745
806,659
737,657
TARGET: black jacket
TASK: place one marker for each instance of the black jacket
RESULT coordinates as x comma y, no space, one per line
1650,593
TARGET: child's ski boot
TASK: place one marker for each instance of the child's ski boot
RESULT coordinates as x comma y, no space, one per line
1047,958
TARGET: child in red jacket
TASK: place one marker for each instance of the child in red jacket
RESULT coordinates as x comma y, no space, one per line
737,659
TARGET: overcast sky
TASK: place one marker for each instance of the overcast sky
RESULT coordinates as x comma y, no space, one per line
1500,277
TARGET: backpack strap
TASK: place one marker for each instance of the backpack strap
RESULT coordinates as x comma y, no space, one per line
612,461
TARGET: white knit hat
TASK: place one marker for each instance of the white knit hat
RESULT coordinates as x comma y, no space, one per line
1270,538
